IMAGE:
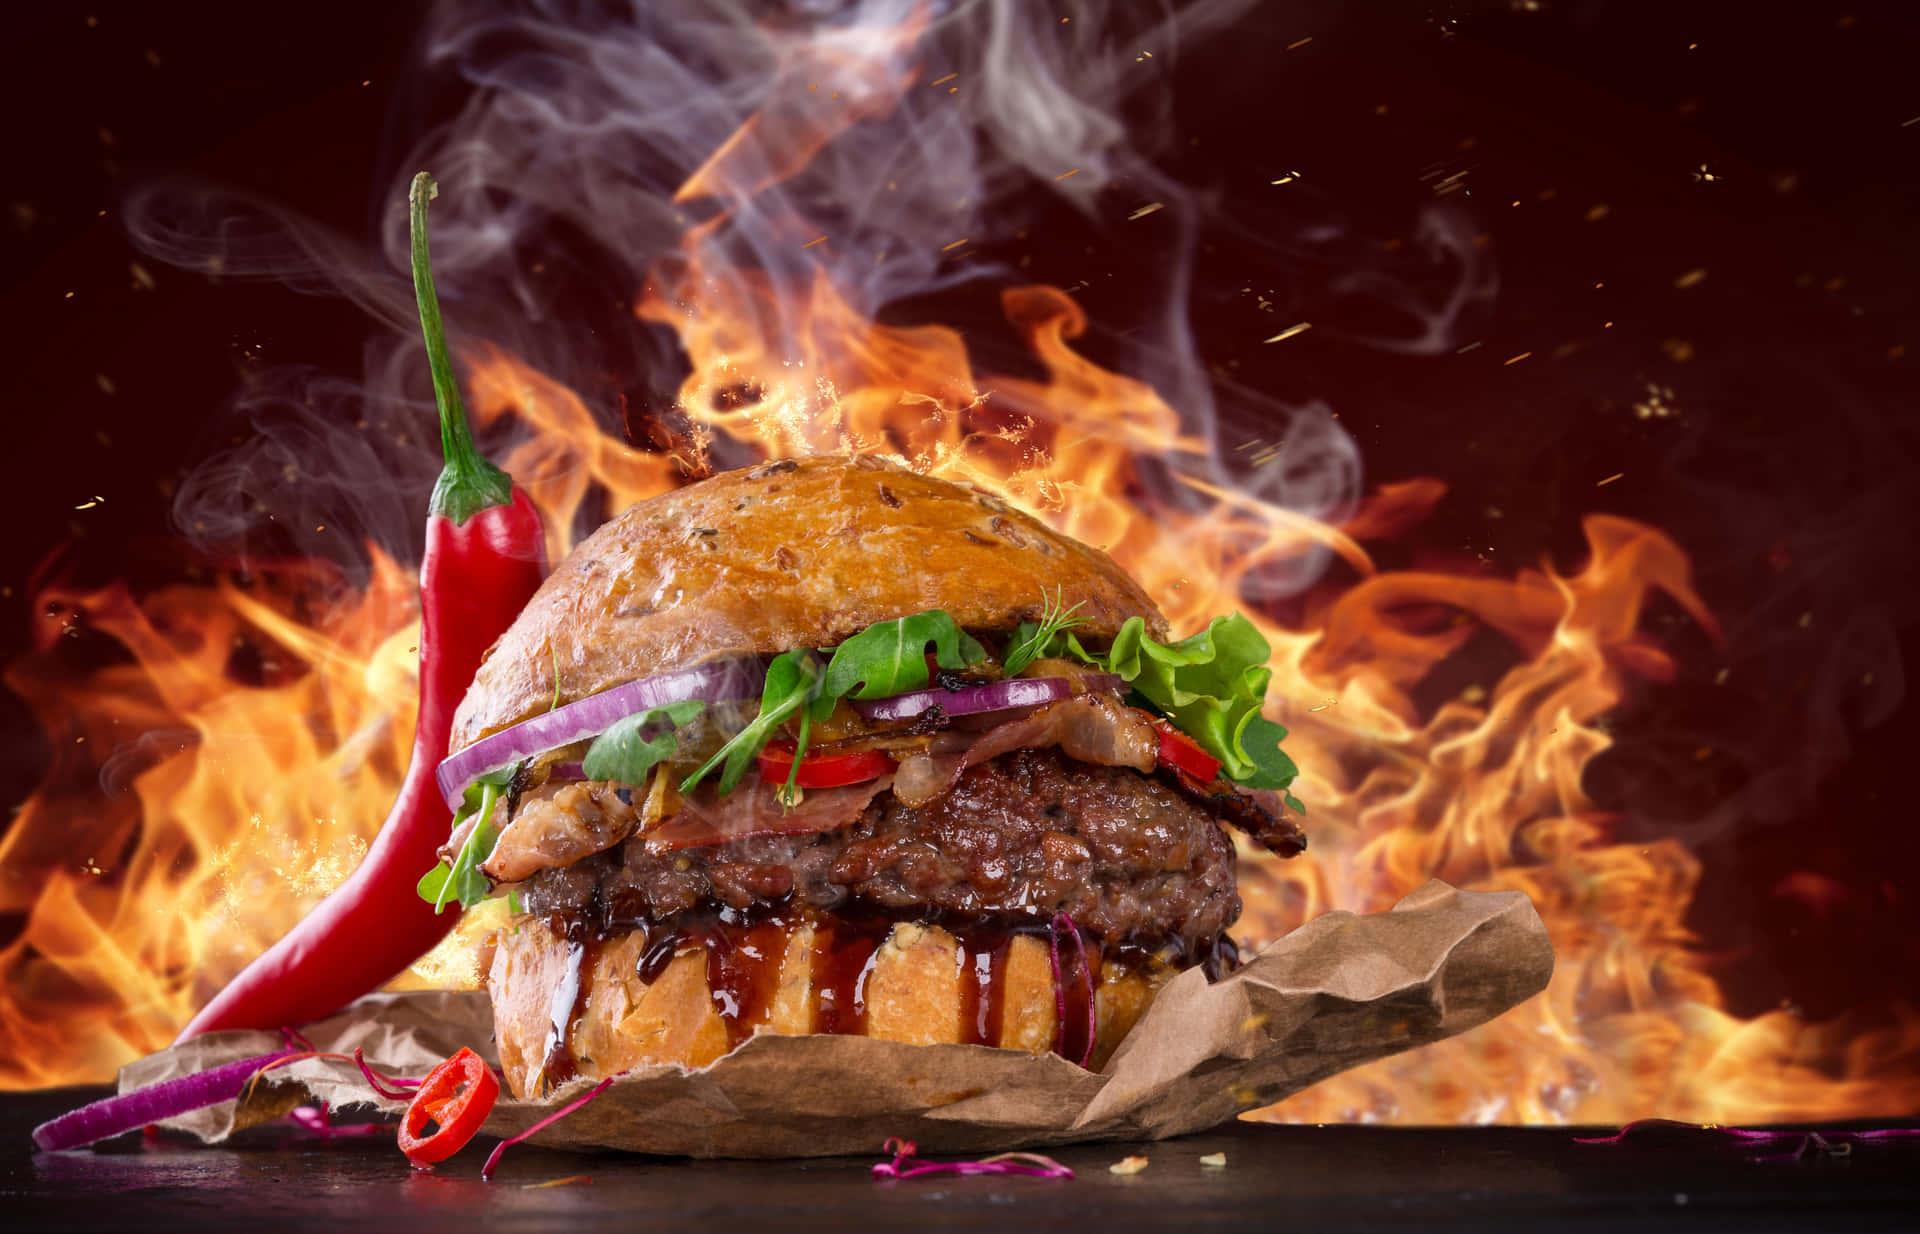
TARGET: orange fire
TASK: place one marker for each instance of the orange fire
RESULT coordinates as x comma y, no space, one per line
198,805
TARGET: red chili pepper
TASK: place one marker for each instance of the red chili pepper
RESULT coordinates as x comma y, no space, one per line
486,553
822,770
455,1098
1184,753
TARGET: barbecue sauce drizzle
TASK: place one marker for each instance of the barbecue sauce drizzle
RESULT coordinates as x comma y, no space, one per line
745,952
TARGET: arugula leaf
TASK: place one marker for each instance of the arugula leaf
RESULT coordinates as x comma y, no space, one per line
793,679
1031,641
889,657
1211,686
463,880
624,754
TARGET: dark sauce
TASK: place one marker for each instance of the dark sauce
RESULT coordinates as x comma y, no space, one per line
983,983
564,1012
746,951
743,971
843,956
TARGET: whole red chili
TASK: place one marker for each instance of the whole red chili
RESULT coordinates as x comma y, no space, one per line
486,553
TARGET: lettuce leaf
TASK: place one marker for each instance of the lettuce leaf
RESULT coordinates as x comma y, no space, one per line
1211,686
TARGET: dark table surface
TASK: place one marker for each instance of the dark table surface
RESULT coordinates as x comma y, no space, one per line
1293,1178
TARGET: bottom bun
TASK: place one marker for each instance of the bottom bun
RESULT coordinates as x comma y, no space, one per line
592,1008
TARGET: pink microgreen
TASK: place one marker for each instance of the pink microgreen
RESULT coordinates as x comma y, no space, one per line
1829,1143
493,1158
315,1118
905,1165
393,1088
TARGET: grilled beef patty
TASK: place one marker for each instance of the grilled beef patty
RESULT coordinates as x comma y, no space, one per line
1017,839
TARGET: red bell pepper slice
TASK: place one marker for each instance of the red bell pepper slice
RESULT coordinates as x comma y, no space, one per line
455,1099
1184,753
823,770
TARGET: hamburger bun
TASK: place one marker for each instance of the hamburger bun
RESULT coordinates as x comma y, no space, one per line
796,553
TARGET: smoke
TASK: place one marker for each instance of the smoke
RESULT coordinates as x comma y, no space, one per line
599,143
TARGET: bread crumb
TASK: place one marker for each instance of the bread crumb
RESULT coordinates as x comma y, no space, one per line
1214,1161
1128,1165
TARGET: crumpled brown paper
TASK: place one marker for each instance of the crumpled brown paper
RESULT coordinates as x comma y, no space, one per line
1339,991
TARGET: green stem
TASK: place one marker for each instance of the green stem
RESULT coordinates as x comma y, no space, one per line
468,483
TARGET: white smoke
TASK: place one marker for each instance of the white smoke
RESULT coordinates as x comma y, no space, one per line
582,119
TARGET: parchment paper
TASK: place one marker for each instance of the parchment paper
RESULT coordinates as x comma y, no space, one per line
1339,991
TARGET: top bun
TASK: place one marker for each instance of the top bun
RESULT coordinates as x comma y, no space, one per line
796,553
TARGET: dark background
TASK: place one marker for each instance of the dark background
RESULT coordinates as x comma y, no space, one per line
1773,147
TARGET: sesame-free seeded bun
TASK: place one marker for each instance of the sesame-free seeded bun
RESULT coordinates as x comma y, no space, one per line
796,553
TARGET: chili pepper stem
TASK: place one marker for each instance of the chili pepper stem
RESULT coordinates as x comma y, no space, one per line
469,483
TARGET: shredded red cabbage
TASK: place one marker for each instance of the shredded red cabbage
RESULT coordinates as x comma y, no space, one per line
906,1165
1059,987
493,1158
1830,1143
315,1118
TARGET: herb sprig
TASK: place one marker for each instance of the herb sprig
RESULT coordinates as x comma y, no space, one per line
1031,639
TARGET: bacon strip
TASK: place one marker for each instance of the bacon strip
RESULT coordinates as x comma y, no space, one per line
754,809
558,824
1089,728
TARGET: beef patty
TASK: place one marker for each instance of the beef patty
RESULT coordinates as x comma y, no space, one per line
1016,840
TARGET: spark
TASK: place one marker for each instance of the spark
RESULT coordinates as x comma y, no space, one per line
88,505
944,80
1691,278
1289,178
1145,210
816,240
1063,175
1297,328
947,248
1299,43
1907,124
1517,359
1610,479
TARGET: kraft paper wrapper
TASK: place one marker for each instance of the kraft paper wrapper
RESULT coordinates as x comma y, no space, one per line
1340,991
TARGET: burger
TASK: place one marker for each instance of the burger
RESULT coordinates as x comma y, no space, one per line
829,746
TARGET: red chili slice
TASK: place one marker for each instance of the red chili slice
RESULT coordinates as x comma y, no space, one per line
823,770
456,1097
1183,752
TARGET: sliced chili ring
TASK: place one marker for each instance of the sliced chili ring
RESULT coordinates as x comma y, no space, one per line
1183,752
455,1099
823,770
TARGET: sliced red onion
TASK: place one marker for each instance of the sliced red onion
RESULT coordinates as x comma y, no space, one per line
719,682
993,696
167,1099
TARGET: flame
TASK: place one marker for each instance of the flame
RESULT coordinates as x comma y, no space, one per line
226,774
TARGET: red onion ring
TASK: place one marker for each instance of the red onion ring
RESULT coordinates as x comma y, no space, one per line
717,682
992,696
